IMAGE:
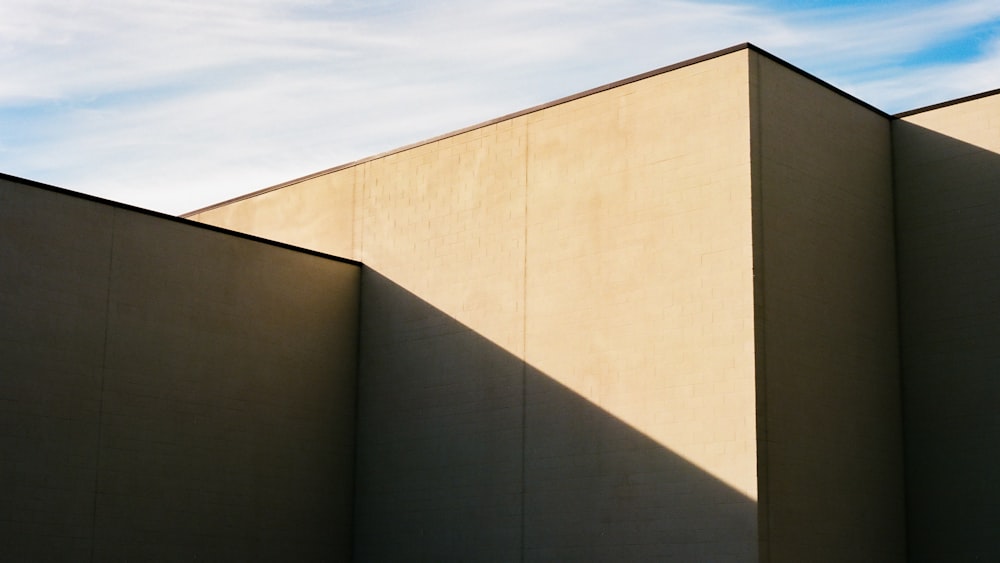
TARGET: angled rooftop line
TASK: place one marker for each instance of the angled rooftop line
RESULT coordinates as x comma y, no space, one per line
174,218
553,103
940,105
583,94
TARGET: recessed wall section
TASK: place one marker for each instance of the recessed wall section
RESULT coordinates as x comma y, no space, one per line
827,317
947,166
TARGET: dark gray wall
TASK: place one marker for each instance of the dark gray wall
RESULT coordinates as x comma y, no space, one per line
169,392
948,206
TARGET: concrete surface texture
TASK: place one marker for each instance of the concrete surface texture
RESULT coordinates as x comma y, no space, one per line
169,392
947,167
828,353
599,254
577,275
721,311
615,248
532,247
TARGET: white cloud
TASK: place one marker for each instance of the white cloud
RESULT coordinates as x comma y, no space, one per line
176,104
933,83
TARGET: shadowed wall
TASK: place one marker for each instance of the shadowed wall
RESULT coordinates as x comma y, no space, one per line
828,366
169,392
466,452
605,242
947,166
705,254
656,320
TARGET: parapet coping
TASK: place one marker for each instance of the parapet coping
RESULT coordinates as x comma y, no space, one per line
533,109
590,92
954,102
182,220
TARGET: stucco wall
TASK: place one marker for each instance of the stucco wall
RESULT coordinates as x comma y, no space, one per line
832,482
639,299
947,167
169,392
557,342
441,388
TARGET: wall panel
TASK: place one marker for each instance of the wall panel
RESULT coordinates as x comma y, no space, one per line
170,392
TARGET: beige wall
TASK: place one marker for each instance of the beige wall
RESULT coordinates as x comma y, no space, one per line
947,166
602,247
323,207
828,350
441,391
557,333
639,300
169,392
655,321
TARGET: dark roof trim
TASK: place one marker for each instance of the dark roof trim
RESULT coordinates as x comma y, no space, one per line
158,215
570,98
956,101
494,121
819,81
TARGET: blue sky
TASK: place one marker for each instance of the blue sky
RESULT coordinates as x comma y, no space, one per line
176,104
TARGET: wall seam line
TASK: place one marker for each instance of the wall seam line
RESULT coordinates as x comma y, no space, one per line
899,333
524,347
357,247
355,468
759,308
100,400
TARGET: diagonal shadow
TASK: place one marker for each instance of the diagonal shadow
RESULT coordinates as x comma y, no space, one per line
468,453
948,256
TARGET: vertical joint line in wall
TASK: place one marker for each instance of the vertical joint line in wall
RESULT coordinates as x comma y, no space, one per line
354,214
894,199
758,266
355,465
357,247
524,344
358,236
100,396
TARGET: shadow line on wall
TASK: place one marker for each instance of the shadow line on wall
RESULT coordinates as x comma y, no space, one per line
467,452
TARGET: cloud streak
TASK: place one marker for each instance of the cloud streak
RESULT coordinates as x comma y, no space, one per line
175,105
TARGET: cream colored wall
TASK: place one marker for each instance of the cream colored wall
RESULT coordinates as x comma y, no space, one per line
441,391
557,326
323,209
639,299
948,174
832,489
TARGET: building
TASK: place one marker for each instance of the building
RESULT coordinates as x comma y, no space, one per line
720,311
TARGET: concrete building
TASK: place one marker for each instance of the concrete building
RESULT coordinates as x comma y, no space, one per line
720,311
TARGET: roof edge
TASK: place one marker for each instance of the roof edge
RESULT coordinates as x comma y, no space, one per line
945,104
818,80
168,217
648,74
494,121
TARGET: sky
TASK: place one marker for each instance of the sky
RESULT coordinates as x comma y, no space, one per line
173,105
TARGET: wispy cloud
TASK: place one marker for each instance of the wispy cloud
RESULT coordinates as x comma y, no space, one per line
177,104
